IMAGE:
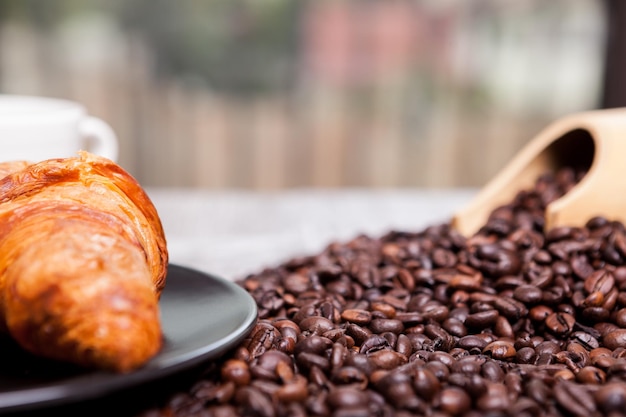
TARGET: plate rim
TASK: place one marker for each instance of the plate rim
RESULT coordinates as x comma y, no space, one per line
48,395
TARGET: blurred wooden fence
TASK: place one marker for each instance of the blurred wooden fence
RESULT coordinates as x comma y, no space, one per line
174,134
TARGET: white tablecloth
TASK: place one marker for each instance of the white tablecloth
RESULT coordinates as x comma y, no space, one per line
235,233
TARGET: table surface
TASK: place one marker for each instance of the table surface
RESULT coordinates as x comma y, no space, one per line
234,233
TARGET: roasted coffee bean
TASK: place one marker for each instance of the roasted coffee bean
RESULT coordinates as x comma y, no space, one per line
525,355
467,365
432,311
404,346
620,318
295,390
494,399
265,365
219,394
482,319
358,333
313,344
491,371
501,350
254,402
471,342
455,327
373,343
441,339
547,346
316,325
611,397
538,390
361,362
387,359
585,339
426,383
441,371
237,371
350,375
386,309
386,325
360,317
453,401
564,375
591,375
338,355
574,398
513,320
615,339
307,360
600,281
347,397
560,324
528,294
396,388
539,313
502,328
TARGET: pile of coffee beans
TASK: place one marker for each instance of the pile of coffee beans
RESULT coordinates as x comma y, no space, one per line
509,322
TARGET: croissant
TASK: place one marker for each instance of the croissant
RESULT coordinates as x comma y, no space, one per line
83,261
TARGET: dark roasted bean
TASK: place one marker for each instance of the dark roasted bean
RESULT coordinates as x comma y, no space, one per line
361,362
501,350
373,343
396,388
503,328
615,339
254,402
591,375
386,325
560,323
350,375
528,294
360,317
294,390
574,398
455,327
453,401
611,397
237,371
525,355
482,319
426,383
513,320
467,365
308,360
599,281
494,399
313,344
358,333
492,371
471,342
316,324
347,397
387,359
404,346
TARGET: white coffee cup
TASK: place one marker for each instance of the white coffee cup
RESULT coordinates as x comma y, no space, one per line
38,128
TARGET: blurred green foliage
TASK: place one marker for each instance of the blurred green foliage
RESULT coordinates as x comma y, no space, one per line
242,46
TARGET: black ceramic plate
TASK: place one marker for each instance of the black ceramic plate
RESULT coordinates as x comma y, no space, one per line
202,317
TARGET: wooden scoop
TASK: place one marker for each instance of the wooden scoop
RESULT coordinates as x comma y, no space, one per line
594,141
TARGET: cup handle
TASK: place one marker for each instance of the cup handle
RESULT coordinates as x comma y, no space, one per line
99,138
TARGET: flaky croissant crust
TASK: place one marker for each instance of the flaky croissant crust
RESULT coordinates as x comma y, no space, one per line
83,261
41,182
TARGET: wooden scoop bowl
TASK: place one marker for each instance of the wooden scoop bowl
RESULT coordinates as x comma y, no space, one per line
594,141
